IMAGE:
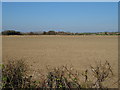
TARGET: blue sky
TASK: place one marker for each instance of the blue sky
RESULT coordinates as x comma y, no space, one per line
60,16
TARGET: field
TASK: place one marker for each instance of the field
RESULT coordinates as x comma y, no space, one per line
54,50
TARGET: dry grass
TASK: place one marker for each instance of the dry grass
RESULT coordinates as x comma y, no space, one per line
80,51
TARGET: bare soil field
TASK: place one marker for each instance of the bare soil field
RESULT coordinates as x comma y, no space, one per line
78,51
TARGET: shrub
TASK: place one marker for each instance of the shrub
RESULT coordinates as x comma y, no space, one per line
15,76
101,73
62,77
67,77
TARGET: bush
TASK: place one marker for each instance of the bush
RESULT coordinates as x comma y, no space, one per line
101,73
67,77
62,77
15,76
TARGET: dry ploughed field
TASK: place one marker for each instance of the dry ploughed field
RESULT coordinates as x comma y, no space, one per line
54,50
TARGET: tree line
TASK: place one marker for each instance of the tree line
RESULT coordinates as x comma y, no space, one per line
52,32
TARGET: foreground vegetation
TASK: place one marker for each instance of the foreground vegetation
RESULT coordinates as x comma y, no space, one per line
15,75
13,32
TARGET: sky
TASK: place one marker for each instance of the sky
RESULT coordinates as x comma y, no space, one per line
60,16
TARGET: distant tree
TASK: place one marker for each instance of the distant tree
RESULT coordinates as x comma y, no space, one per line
106,33
61,33
31,33
44,33
11,32
51,33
